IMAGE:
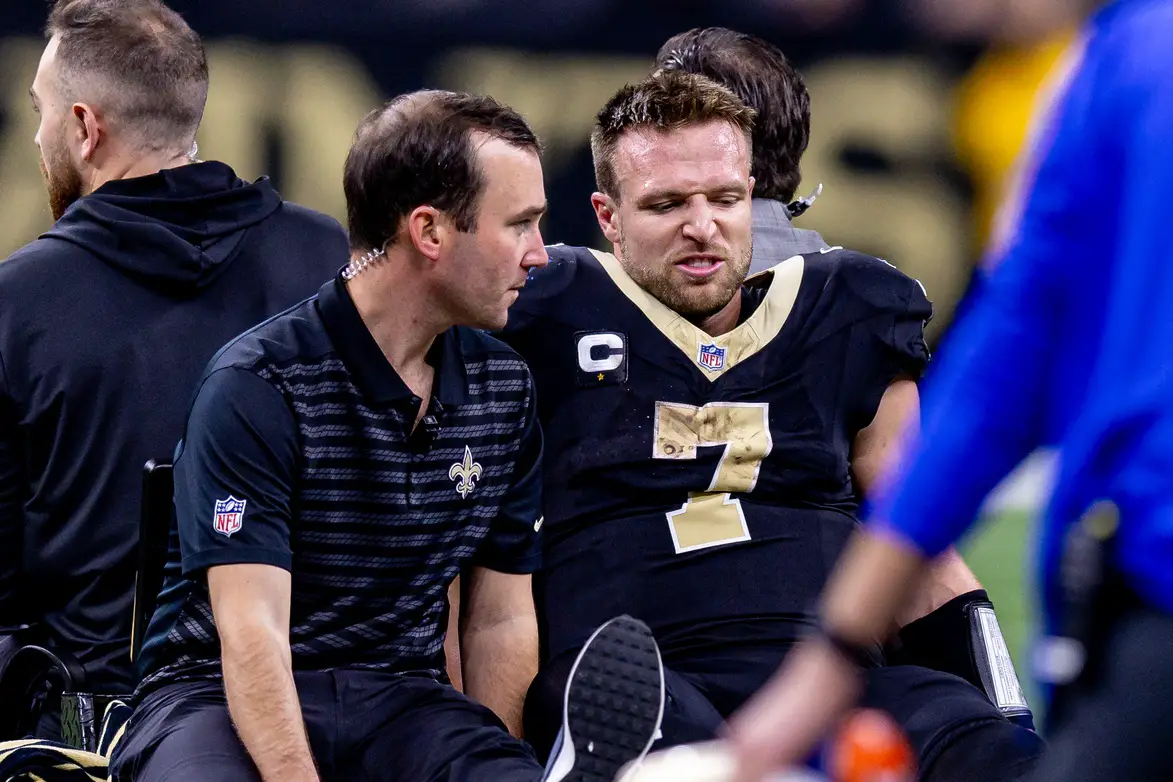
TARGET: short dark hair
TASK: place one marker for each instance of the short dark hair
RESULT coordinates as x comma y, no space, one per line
418,150
664,102
150,65
766,81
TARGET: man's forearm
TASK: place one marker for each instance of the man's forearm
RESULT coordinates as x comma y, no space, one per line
871,583
499,662
262,700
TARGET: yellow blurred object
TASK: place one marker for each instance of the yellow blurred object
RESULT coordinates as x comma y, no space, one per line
995,111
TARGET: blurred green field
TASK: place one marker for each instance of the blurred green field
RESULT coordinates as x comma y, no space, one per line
997,554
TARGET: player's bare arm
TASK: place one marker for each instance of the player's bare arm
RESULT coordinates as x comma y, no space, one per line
874,452
250,604
499,642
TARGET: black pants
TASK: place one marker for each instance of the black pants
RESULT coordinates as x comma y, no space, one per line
361,725
1117,721
958,735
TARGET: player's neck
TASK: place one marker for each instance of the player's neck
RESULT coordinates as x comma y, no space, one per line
403,320
723,321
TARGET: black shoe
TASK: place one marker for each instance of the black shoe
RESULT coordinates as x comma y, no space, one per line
613,704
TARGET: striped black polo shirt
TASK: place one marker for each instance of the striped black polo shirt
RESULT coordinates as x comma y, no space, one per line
299,453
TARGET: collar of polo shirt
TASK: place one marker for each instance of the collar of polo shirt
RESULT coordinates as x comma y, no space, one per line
368,367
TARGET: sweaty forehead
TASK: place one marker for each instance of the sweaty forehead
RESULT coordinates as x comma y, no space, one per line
711,149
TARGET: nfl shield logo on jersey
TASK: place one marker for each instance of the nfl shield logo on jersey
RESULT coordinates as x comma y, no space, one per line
229,516
711,357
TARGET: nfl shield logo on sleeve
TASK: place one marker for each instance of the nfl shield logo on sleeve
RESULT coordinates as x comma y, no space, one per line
229,516
711,357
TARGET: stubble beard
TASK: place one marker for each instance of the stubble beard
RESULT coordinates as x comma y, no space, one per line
62,180
658,281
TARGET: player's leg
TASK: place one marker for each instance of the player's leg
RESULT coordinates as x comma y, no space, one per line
419,730
689,715
182,732
1114,725
427,732
957,733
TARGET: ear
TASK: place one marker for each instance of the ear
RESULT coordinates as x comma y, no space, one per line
88,130
428,231
752,182
606,212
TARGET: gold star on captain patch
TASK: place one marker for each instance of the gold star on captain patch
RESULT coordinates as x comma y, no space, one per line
600,376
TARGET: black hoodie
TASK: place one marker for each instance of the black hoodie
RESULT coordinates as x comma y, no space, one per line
106,323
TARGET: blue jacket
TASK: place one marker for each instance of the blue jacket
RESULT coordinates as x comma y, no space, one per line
1070,340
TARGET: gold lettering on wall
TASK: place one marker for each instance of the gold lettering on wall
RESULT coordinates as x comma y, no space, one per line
900,109
309,97
24,207
558,95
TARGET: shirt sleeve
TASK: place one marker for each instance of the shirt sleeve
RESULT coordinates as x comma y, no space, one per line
234,474
909,351
11,510
888,335
543,290
514,544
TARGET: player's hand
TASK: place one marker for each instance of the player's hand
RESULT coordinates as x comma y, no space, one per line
781,725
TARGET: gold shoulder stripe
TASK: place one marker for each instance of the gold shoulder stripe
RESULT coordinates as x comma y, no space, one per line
739,344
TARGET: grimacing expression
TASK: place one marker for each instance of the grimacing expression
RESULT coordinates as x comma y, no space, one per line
489,265
683,223
62,178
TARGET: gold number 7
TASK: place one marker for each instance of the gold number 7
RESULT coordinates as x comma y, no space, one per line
712,517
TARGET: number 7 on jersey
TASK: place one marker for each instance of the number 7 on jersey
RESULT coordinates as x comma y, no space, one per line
712,517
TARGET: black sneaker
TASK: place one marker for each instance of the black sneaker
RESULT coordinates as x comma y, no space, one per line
613,704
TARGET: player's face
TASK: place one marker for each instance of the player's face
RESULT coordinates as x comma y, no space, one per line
683,226
489,265
62,179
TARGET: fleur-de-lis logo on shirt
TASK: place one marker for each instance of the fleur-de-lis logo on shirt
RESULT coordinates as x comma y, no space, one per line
465,474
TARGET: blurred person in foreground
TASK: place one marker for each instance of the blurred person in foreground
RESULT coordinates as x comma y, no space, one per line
1070,343
708,435
155,260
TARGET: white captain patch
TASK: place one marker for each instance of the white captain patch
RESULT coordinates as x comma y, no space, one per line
601,358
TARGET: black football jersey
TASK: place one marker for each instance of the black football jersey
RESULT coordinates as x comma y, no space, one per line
702,483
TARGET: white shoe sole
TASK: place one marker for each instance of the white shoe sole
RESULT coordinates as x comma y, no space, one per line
612,706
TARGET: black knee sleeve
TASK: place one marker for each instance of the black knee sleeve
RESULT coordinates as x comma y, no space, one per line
962,637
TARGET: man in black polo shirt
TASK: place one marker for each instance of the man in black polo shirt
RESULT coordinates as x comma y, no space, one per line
323,507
